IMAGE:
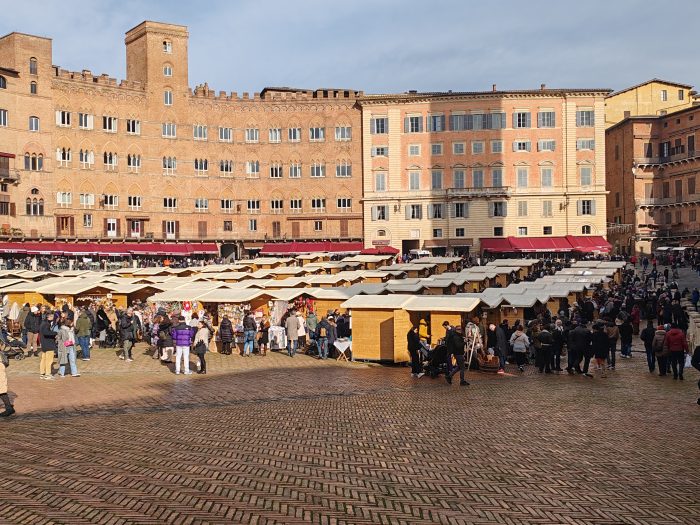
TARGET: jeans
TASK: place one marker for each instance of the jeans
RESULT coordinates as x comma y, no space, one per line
677,363
611,352
322,344
84,342
626,349
651,358
24,335
71,362
460,366
291,347
32,342
184,353
46,363
248,342
501,360
128,345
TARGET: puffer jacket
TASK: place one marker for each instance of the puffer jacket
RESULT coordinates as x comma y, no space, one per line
182,334
675,341
83,325
226,331
32,323
47,336
657,344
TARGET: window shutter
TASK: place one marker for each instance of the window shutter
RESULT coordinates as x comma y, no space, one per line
491,206
165,229
406,125
386,213
374,213
468,121
119,229
177,229
515,120
505,209
104,226
442,123
528,120
451,209
579,207
592,207
430,210
540,119
529,145
58,197
91,121
58,154
515,146
466,210
58,117
372,126
408,211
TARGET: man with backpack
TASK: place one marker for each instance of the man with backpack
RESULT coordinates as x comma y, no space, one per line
657,345
323,330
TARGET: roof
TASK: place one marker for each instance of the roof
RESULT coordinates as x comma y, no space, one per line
377,302
442,303
415,95
658,80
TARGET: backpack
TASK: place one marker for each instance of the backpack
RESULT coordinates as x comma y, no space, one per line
657,344
322,332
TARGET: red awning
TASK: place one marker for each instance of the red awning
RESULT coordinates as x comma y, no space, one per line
289,248
496,245
121,249
205,248
380,250
540,244
589,243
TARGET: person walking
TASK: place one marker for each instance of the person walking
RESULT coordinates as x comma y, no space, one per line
657,345
613,333
264,339
226,335
250,328
600,346
291,326
311,324
24,312
647,337
676,345
182,337
301,338
201,345
65,345
166,346
47,336
4,396
414,346
626,333
83,329
695,298
455,347
558,340
544,355
127,329
579,347
323,332
521,345
31,325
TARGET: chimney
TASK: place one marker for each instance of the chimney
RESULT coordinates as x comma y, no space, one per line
542,87
493,88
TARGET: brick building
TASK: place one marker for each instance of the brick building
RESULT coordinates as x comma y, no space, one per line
452,172
653,164
83,157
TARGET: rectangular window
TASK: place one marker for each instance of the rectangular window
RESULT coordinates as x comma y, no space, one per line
459,232
436,123
109,124
201,205
380,213
134,202
497,177
436,149
546,208
227,205
498,209
546,175
585,144
111,201
521,119
498,231
478,178
380,182
477,147
546,119
586,175
344,204
169,165
295,205
274,135
586,207
318,205
380,151
318,170
169,130
414,211
253,206
170,203
87,200
252,135
692,215
33,123
546,145
318,226
691,186
63,118
664,95
343,169
199,132
681,94
477,120
87,220
585,118
414,180
546,230
435,211
64,198
343,133
496,146
171,229
133,127
317,134
253,225
413,150
522,208
276,206
437,233
86,121
111,227
168,98
379,125
295,171
522,174
458,148
458,179
522,230
294,134
522,145
461,210
252,168
436,178
275,171
413,124
225,134
226,168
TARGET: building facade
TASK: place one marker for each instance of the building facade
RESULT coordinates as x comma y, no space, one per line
653,164
443,171
654,97
83,157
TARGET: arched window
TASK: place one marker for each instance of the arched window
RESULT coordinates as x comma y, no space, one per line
33,162
3,83
33,90
32,66
35,191
33,123
586,230
167,46
167,70
28,209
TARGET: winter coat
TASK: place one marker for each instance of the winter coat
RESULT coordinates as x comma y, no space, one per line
226,331
520,342
102,320
647,336
165,338
202,335
626,332
83,325
291,325
302,326
127,328
63,336
311,322
182,334
47,337
24,312
455,345
599,344
32,323
675,341
413,341
657,344
249,324
326,325
580,340
613,332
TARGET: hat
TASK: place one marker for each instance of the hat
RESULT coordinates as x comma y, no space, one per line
34,309
458,328
331,318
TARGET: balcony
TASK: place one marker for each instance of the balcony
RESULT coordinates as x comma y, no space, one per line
475,193
686,156
676,201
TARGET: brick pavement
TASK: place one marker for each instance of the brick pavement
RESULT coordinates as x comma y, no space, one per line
279,440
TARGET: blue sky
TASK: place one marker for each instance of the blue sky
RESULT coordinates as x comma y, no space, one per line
386,45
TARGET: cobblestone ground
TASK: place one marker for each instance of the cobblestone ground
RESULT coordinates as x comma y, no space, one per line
280,440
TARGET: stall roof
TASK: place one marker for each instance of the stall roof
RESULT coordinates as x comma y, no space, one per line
227,295
368,258
366,289
442,303
377,302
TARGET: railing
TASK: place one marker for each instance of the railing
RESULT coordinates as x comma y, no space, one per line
690,154
7,174
499,191
665,201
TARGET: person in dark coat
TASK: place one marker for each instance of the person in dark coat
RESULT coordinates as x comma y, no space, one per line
226,335
600,346
578,345
47,337
31,325
626,332
414,347
544,354
647,336
166,347
455,347
558,340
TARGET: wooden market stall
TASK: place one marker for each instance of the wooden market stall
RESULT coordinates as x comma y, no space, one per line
437,310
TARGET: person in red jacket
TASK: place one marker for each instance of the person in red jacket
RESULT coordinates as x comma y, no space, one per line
676,345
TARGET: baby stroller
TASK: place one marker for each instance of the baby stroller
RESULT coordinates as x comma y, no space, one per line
14,348
434,360
111,338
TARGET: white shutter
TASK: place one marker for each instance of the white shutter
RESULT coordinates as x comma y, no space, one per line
579,207
58,154
374,213
91,157
408,211
593,207
466,210
505,209
58,197
90,121
451,209
430,211
491,206
58,118
515,146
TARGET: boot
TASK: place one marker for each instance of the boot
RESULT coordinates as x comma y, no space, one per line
9,409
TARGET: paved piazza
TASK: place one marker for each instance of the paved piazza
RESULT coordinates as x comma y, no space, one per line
280,440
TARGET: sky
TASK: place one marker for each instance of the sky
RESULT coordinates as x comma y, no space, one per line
382,46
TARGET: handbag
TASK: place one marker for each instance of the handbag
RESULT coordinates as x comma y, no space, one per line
68,343
200,347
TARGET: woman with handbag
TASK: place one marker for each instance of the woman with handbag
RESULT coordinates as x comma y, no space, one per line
201,345
65,342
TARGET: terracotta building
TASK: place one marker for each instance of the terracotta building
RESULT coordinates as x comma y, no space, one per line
653,165
84,157
452,172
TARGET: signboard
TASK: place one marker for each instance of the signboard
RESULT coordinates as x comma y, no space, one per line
381,242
